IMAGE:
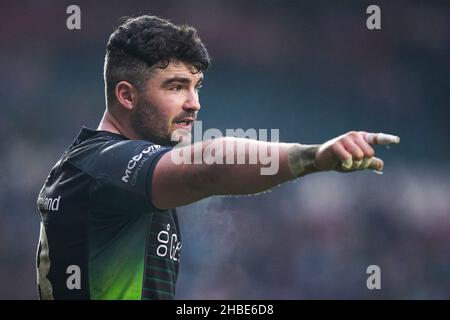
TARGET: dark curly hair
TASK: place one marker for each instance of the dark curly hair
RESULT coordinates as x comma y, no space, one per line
143,42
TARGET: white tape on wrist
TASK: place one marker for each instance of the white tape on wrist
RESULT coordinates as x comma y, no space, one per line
302,159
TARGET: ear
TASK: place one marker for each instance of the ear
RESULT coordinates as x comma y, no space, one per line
126,95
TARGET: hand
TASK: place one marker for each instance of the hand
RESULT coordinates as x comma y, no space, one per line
352,151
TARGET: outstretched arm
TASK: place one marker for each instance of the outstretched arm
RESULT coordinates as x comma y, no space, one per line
238,166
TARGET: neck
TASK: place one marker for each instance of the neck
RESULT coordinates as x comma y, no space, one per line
109,123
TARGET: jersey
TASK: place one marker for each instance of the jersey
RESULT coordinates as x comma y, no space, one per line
101,237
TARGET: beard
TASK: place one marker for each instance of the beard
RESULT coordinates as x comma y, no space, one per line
150,124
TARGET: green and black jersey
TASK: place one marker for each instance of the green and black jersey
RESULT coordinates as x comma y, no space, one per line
101,237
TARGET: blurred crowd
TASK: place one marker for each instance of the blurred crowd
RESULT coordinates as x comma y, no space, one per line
315,238
309,68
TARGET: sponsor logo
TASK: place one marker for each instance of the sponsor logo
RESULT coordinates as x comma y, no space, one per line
49,204
135,164
169,244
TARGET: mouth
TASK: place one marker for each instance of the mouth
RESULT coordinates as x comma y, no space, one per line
185,123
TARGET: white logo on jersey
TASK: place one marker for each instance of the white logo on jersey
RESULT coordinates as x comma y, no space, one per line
168,244
134,161
49,204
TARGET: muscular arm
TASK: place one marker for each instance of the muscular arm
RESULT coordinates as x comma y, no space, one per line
175,184
179,184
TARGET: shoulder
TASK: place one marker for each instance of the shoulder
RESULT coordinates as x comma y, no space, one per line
103,155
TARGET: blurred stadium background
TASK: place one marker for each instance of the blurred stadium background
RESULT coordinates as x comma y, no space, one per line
309,68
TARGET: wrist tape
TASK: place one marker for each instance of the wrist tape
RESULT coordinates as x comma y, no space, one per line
302,159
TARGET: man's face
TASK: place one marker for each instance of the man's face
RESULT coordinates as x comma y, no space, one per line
168,102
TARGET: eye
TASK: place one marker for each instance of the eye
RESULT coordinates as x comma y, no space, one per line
198,87
177,87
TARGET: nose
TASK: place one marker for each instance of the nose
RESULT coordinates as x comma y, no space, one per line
192,103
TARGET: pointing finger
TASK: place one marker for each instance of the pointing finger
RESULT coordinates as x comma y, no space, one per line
382,138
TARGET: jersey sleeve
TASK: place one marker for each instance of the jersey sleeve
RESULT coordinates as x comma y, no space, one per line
123,173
